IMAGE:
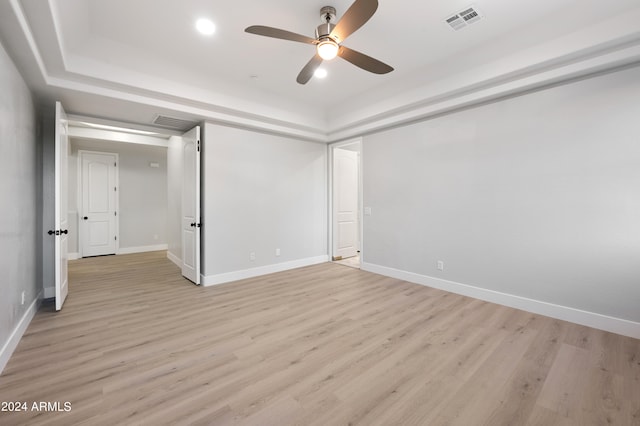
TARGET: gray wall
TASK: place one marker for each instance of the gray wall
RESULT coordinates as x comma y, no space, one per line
142,194
261,192
20,254
536,196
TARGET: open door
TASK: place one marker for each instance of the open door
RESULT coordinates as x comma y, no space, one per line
60,231
345,203
191,205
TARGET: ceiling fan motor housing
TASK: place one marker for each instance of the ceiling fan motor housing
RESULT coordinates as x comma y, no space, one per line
324,30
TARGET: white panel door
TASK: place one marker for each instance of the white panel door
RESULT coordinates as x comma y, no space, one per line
61,199
345,203
191,205
98,225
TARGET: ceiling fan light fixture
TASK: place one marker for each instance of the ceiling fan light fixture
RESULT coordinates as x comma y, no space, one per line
328,49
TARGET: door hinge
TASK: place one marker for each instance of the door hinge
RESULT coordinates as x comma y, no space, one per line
115,164
198,146
115,213
115,238
115,189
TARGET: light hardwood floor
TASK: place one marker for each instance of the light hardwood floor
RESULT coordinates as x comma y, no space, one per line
353,262
321,345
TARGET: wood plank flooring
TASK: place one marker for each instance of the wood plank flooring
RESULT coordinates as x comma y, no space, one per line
321,345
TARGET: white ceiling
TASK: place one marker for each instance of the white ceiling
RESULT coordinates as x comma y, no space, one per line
129,60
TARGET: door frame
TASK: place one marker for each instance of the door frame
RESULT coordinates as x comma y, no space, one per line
331,213
79,200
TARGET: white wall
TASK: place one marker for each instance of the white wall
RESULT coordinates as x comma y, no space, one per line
537,196
142,194
261,192
19,215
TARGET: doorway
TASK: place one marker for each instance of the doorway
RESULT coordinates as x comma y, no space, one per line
144,224
98,192
346,203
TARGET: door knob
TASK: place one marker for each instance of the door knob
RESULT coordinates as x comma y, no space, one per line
85,218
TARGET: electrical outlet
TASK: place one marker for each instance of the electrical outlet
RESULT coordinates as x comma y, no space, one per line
23,297
277,252
440,265
252,256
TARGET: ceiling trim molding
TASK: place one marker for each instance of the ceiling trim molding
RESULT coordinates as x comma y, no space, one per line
606,46
26,30
58,33
199,111
524,80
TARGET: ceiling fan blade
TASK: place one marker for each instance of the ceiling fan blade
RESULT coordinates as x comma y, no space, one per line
278,33
308,70
355,17
363,61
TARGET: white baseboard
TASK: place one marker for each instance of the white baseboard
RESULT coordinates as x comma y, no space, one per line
565,313
142,249
175,259
128,250
226,277
16,335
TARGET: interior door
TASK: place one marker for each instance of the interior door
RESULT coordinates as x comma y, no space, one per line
61,199
191,205
345,202
99,199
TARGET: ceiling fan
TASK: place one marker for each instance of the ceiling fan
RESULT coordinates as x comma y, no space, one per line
329,39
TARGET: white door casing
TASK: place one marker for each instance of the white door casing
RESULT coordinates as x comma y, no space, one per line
60,231
99,200
345,203
191,205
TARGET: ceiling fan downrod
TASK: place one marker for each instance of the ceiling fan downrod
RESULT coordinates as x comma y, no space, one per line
328,17
328,14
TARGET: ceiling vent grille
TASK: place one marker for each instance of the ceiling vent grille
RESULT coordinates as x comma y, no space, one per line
174,122
464,18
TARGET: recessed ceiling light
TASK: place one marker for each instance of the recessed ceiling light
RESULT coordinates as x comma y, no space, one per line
205,26
320,73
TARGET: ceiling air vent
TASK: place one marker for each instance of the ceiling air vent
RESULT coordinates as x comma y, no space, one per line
174,123
464,18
